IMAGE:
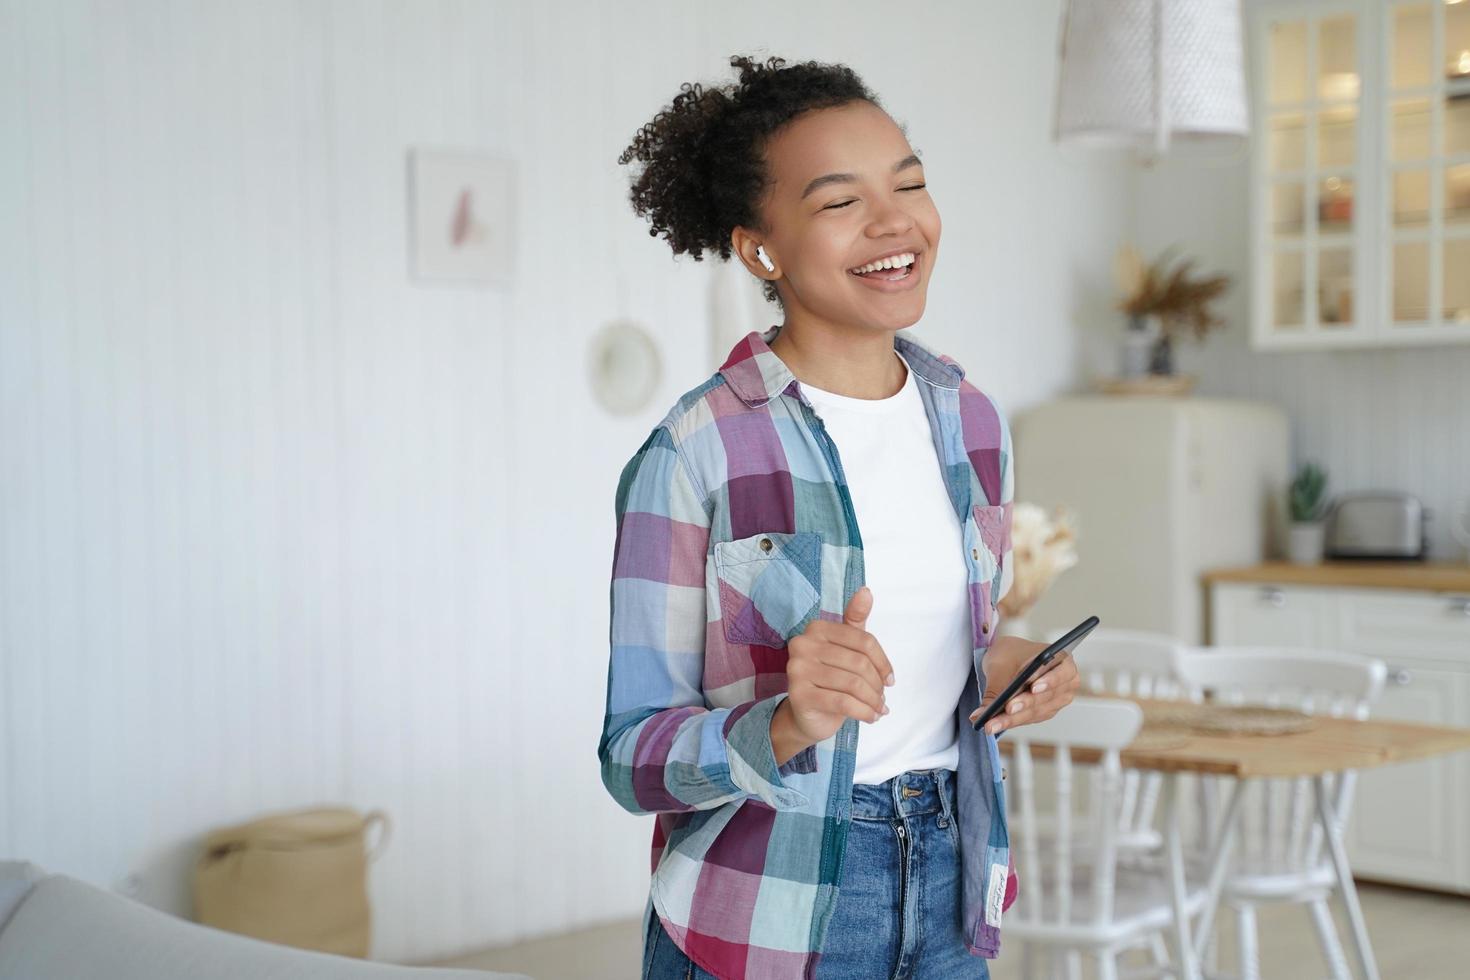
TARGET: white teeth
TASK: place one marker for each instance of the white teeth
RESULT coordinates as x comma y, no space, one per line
892,262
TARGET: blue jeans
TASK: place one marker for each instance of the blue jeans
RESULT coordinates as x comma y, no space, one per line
898,906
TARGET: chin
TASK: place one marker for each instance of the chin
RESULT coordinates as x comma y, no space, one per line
896,318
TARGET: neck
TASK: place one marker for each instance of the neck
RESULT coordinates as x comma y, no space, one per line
855,363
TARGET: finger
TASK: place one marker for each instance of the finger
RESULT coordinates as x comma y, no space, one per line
839,703
863,642
1021,711
981,710
846,682
1050,700
856,616
1000,721
846,659
1048,674
985,706
1056,692
1061,687
1049,679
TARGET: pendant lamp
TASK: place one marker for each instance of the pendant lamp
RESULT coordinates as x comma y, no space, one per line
1149,73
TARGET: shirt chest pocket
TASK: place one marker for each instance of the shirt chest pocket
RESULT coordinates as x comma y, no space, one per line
769,585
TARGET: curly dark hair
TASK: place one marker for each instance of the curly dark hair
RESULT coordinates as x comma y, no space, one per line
705,167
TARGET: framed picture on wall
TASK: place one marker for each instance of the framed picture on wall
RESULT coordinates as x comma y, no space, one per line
461,217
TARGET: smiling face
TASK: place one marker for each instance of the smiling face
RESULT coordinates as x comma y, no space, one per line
846,189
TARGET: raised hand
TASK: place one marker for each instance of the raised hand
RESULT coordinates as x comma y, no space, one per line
834,671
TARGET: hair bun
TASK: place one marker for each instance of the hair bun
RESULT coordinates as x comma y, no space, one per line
704,169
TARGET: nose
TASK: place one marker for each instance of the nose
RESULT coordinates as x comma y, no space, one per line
890,219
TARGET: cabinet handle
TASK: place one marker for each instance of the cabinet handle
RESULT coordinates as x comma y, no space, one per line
1273,595
1399,676
1460,604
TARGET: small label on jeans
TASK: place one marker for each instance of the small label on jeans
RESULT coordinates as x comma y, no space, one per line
996,897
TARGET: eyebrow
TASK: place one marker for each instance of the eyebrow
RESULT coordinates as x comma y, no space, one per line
912,160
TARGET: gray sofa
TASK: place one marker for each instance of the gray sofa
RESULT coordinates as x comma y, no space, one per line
54,927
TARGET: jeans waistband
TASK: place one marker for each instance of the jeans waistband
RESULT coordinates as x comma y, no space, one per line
908,794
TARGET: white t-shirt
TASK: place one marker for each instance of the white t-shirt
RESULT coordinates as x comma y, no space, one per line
913,554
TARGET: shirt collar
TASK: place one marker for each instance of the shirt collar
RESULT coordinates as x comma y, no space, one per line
756,374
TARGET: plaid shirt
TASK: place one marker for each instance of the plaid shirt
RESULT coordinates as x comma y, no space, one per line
735,529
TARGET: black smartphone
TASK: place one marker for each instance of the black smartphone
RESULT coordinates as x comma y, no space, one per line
1064,644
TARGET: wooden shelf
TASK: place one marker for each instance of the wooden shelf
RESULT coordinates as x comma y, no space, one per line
1423,576
1148,384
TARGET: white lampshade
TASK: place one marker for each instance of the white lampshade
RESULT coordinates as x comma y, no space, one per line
1144,72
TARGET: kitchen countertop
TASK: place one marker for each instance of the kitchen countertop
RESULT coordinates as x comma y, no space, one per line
1418,575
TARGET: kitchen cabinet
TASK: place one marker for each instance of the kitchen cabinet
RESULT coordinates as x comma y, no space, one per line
1360,173
1409,822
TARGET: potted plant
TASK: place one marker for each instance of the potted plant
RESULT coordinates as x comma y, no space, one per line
1308,510
1161,302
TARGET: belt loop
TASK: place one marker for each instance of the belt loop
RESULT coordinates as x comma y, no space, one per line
896,791
945,779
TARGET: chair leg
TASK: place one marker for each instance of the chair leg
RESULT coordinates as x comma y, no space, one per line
1327,936
1160,965
1074,965
1158,950
1209,954
1107,966
1250,963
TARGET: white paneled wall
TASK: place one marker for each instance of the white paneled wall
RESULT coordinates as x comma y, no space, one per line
278,527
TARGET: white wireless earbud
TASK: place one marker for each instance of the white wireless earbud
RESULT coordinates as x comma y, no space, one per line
760,253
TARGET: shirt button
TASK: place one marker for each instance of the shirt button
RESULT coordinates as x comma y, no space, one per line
975,553
765,544
985,626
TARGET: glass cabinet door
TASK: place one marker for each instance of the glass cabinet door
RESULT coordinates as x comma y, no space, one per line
1309,101
1427,167
1361,173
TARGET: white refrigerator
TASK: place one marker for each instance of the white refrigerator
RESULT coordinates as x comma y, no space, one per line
1161,489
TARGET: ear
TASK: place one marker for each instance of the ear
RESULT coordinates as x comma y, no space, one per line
743,243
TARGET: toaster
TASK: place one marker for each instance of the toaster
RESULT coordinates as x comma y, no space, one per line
1378,526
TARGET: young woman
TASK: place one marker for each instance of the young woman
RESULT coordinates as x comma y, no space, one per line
809,550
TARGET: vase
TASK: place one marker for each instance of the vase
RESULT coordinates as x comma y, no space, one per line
1161,356
1305,544
1135,351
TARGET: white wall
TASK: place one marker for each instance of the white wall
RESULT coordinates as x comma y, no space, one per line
278,527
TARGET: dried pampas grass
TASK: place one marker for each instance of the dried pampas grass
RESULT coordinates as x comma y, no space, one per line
1176,297
1042,547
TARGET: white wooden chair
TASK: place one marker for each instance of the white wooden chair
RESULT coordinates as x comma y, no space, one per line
1280,854
1075,899
1134,663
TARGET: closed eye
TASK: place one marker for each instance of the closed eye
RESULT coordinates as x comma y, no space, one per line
912,187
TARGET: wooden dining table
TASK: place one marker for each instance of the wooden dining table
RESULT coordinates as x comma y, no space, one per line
1330,745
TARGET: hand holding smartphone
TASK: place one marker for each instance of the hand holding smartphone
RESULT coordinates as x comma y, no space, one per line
1064,644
